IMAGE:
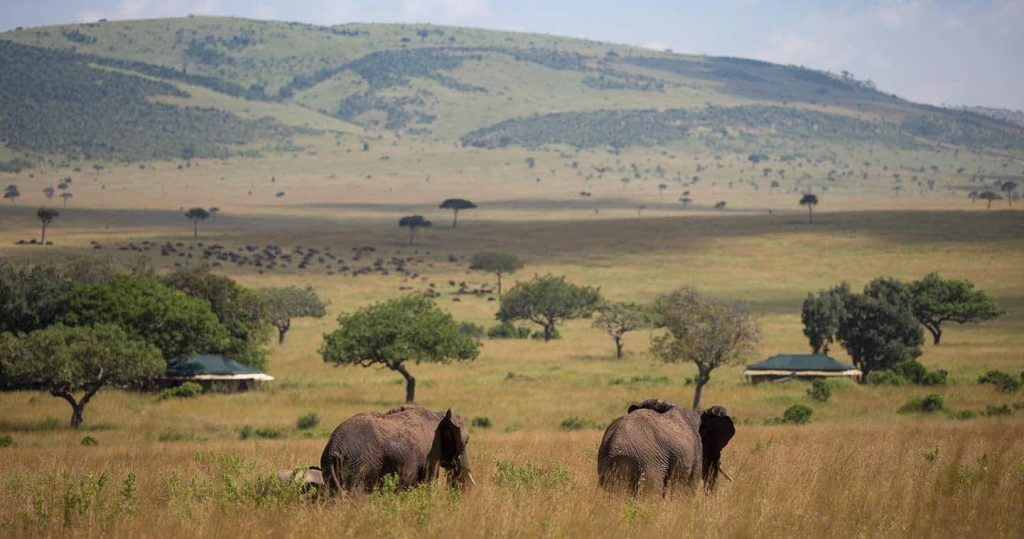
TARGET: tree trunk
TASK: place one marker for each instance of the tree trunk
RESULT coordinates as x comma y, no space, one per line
44,234
455,218
703,377
618,347
810,213
499,283
549,330
76,415
412,231
989,204
936,335
281,330
195,229
410,383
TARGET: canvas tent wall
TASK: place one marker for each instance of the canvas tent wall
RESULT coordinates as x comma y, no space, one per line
214,370
799,366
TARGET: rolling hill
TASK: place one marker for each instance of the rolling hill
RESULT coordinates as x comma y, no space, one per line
215,87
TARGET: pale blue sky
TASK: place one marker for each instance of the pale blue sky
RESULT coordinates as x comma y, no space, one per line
933,51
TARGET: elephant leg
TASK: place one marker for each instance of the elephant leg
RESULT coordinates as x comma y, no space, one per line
621,473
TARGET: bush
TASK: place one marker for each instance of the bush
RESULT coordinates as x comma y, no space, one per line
177,436
249,431
511,475
965,414
6,441
927,404
507,330
819,390
470,329
539,335
184,391
886,377
89,441
580,423
645,379
912,370
482,422
935,378
308,421
992,411
798,414
1003,382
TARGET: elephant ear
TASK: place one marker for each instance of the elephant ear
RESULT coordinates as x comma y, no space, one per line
448,439
716,429
657,405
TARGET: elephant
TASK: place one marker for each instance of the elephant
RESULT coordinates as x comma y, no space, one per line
311,479
409,441
658,446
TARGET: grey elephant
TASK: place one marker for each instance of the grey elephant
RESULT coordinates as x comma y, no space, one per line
409,441
658,446
311,479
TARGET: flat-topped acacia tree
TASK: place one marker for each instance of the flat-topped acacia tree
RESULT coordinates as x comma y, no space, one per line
547,301
497,263
456,204
70,360
397,331
46,216
195,215
809,200
412,222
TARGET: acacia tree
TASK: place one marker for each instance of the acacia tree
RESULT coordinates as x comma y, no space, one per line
48,192
456,204
11,193
617,319
195,215
821,315
989,196
65,196
936,300
810,200
497,263
397,331
547,301
703,330
288,302
878,334
1008,187
412,222
46,216
67,360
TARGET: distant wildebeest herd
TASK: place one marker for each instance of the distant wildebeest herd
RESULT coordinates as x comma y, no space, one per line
655,448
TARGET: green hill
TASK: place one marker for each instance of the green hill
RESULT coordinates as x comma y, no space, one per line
191,87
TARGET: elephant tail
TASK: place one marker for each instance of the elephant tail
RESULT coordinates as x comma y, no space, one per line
333,469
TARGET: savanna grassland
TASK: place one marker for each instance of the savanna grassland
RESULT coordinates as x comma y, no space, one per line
324,151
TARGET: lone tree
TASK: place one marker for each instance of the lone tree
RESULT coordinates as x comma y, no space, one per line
810,200
1008,188
936,300
392,333
989,196
547,301
412,222
46,216
289,302
48,192
704,330
456,204
195,215
497,263
821,315
617,319
68,360
878,334
11,193
65,196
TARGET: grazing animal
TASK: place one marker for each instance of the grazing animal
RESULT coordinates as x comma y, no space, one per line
409,441
658,446
311,479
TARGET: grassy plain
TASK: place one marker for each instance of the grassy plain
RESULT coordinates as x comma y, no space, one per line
859,468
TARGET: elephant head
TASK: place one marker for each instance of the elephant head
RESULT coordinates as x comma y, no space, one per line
449,450
716,429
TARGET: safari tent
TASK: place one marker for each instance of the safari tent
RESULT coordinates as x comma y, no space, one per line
214,370
786,367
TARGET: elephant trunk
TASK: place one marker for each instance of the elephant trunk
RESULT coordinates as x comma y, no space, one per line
459,473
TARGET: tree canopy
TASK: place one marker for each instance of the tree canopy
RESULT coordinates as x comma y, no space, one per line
288,302
30,296
989,196
497,263
878,334
456,204
195,215
821,315
46,216
705,331
617,319
177,324
548,300
241,311
936,300
810,200
397,331
68,360
412,222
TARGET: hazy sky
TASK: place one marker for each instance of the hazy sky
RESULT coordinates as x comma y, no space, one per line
934,51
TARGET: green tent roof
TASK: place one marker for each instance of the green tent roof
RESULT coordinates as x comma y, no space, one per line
800,362
207,364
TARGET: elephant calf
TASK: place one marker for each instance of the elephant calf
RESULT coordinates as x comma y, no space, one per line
311,479
408,441
657,446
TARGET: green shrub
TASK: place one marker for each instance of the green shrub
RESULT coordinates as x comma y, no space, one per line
539,335
308,421
6,441
935,378
580,423
482,422
90,441
642,380
511,475
927,404
184,391
507,330
798,414
470,329
992,411
1003,382
965,414
886,377
249,431
177,436
819,391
